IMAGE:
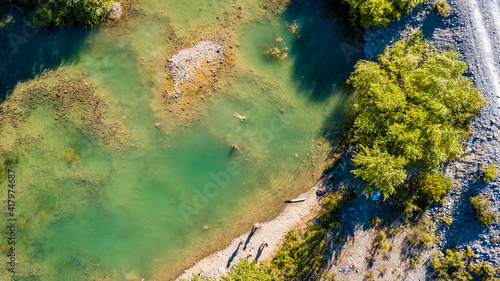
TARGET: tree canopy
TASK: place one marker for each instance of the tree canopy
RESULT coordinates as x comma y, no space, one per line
413,107
66,12
380,169
379,12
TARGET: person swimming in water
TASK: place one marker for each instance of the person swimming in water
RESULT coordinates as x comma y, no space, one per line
237,115
234,146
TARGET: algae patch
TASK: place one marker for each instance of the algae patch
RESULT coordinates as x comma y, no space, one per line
75,101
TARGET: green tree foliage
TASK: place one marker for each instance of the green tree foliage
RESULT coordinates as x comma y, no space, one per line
380,169
379,12
460,265
303,254
245,270
413,106
381,244
454,265
66,12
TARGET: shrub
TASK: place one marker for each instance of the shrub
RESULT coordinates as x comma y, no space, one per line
393,231
417,197
459,265
340,239
454,265
446,220
381,243
422,235
65,13
442,7
412,111
490,172
375,221
379,12
246,270
481,206
332,205
410,209
198,278
485,271
433,187
414,262
303,254
330,208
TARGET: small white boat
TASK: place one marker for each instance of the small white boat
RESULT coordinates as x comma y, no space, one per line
295,200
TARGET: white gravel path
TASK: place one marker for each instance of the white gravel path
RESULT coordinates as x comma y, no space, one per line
488,10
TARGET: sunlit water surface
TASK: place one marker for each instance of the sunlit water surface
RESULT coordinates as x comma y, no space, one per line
143,212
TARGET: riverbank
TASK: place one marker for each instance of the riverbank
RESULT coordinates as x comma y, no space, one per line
274,232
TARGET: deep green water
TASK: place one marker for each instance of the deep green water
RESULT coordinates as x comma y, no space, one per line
140,212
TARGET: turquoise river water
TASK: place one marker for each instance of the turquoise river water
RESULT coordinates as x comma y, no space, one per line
143,211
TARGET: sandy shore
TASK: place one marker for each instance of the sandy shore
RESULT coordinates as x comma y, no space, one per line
273,232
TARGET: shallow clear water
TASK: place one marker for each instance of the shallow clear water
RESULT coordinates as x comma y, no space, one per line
141,212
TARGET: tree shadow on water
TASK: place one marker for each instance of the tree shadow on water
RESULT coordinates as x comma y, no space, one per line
26,52
335,128
325,49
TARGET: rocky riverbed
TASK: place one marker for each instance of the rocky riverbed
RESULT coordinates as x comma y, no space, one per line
193,66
